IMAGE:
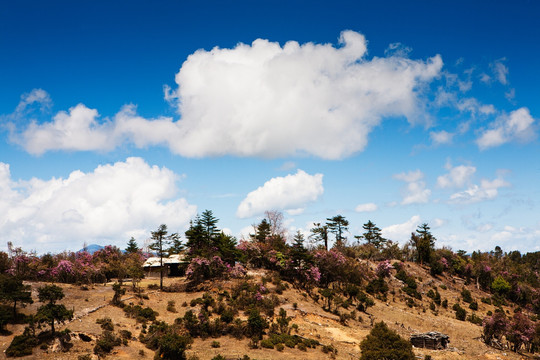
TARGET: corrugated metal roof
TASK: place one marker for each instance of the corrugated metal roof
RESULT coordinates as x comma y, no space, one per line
173,259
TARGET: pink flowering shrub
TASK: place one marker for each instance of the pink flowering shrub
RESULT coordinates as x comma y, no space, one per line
200,269
332,266
494,327
521,331
384,268
63,272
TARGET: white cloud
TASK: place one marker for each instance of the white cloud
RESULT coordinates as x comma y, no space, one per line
519,126
36,96
415,192
457,176
288,165
282,193
294,212
485,78
76,130
107,205
487,190
484,227
441,137
500,71
368,207
264,100
510,94
401,232
437,223
475,107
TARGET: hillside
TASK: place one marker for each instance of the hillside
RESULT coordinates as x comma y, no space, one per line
93,303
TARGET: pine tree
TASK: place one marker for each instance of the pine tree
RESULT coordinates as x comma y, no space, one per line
337,225
51,312
297,252
424,243
320,234
262,232
12,290
132,246
161,241
373,235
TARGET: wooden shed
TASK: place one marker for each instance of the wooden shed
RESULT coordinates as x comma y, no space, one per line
174,265
431,340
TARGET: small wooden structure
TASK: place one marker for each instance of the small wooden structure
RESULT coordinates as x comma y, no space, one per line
431,340
174,265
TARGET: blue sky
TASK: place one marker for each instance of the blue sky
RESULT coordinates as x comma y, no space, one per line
116,117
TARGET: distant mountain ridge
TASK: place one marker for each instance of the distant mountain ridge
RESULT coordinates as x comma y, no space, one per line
92,248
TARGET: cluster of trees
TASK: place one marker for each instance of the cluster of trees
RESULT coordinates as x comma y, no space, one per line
74,267
326,261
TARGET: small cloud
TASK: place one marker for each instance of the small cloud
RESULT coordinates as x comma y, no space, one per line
487,190
519,126
457,176
484,227
415,192
282,193
294,212
36,96
401,232
510,94
368,207
485,78
288,165
437,223
500,71
442,137
397,49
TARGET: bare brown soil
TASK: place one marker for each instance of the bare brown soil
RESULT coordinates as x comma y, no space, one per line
313,322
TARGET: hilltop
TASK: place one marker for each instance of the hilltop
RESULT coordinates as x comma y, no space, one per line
312,321
265,297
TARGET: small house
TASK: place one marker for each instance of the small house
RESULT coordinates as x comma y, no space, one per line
431,340
173,265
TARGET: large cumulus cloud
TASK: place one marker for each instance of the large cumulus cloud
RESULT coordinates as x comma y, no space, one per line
261,99
107,205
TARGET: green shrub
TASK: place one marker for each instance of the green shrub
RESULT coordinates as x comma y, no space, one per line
106,323
171,306
106,342
215,344
377,286
500,286
383,343
302,346
21,345
141,314
473,318
290,343
466,295
219,357
473,306
126,334
461,313
267,344
280,347
329,349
